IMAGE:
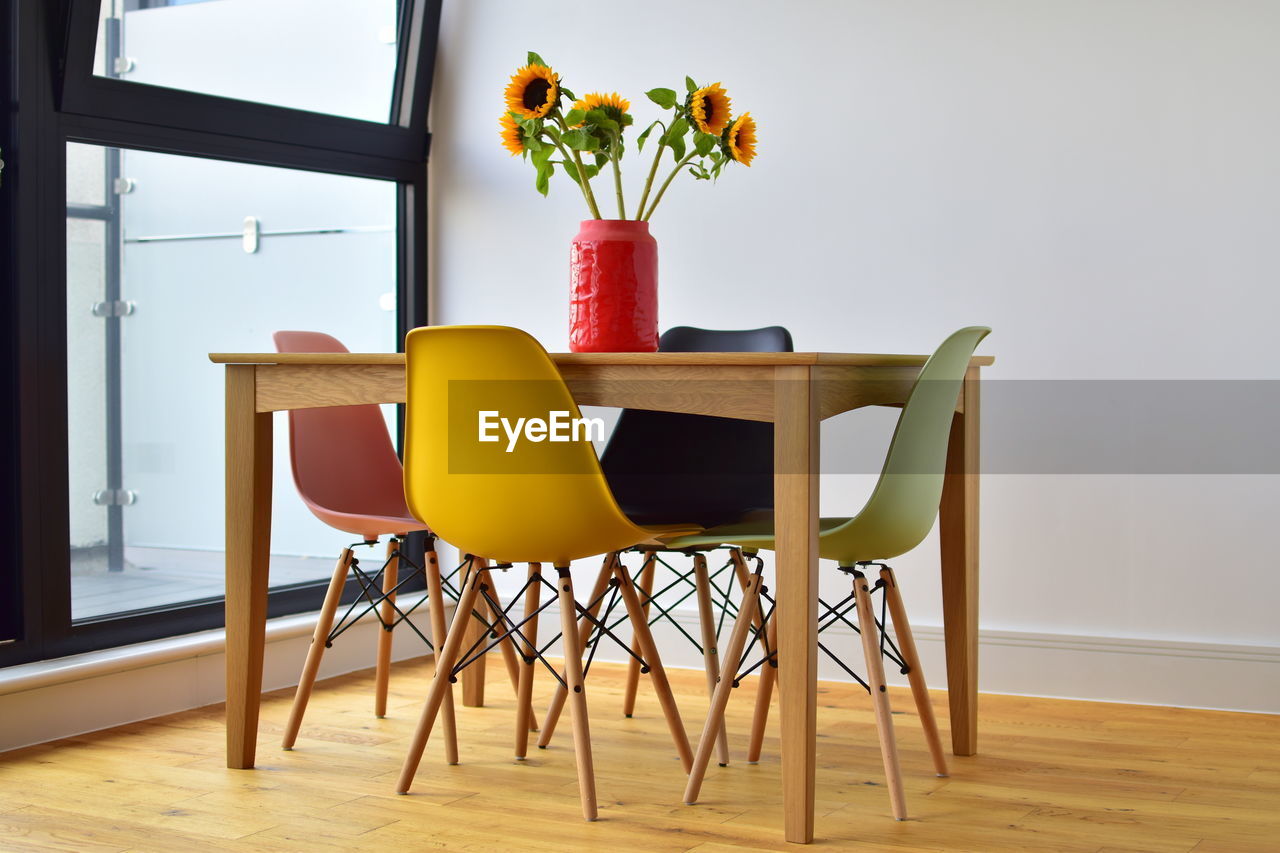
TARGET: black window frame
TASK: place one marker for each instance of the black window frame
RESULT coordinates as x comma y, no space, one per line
52,98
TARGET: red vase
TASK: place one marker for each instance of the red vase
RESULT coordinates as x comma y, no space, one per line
613,287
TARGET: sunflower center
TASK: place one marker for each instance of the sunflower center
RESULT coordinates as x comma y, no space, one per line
708,111
535,94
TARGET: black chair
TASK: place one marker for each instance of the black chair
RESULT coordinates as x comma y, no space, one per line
669,467
673,468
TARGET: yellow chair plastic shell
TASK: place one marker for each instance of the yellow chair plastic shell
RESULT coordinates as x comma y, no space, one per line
521,501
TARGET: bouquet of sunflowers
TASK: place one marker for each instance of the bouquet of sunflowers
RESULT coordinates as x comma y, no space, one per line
588,137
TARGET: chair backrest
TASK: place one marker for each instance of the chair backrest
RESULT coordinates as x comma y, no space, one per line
518,500
904,504
342,456
670,467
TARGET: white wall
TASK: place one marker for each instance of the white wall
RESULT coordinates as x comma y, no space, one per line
1096,181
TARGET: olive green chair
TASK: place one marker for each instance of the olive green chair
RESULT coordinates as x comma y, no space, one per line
897,516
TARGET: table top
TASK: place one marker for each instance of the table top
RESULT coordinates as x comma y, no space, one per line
612,358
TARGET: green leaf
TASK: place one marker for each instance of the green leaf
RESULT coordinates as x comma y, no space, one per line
579,139
703,143
543,180
570,170
601,159
550,131
678,129
531,143
665,98
601,119
567,94
575,117
688,84
642,137
534,59
541,154
677,147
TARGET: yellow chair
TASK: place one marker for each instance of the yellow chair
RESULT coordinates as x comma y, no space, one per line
515,494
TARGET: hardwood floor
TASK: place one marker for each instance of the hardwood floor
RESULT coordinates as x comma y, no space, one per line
1051,775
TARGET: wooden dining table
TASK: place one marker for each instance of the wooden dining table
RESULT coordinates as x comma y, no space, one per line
793,391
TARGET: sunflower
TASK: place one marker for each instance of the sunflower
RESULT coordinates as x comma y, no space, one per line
709,107
614,105
533,91
512,138
740,140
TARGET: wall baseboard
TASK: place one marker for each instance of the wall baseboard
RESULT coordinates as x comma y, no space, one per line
1065,666
53,699
47,700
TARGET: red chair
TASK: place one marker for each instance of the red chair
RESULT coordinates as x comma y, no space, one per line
349,476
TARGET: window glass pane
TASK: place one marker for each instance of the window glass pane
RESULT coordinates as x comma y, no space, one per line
174,278
86,175
326,56
86,400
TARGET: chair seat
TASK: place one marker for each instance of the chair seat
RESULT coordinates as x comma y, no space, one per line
755,533
659,534
368,526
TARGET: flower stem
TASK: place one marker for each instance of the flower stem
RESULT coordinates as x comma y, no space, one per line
667,183
586,186
648,185
584,181
617,175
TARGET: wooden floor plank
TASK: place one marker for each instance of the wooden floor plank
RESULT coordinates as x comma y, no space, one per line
1052,775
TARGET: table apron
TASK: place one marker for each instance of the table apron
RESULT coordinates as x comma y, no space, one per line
741,392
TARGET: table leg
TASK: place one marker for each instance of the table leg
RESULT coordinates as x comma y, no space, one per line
248,519
796,498
958,531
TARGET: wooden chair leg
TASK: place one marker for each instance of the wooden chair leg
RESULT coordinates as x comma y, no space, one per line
720,699
314,654
879,694
435,606
524,693
919,689
645,587
441,683
584,633
473,676
506,643
382,674
577,691
764,696
768,670
648,649
710,652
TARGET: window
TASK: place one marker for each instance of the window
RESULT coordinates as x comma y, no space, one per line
164,203
326,56
193,256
